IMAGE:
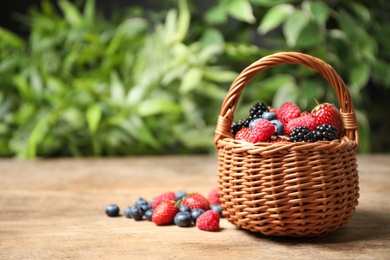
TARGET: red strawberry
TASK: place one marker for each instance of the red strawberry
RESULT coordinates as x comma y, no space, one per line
307,121
165,212
165,196
213,196
243,134
196,201
262,131
327,113
288,111
208,221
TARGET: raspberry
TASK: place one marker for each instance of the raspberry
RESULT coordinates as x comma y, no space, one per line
262,131
302,134
288,111
167,195
307,121
213,196
208,221
243,134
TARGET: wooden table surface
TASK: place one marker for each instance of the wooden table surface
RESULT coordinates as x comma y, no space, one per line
54,209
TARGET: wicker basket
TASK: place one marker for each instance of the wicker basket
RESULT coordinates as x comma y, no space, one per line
288,189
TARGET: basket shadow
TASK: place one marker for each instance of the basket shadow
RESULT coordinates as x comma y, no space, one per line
364,225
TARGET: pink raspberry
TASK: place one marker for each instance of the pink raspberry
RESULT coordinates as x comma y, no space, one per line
288,111
307,121
208,221
262,131
213,196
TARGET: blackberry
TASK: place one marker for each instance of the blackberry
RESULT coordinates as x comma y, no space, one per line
302,134
325,132
257,110
237,126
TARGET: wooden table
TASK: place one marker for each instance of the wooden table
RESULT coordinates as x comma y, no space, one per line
54,209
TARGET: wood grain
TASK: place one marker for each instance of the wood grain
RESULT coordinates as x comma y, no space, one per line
54,209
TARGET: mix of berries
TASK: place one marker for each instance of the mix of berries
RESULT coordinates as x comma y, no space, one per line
180,208
289,124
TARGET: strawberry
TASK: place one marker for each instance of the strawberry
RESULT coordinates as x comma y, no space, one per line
288,111
208,221
243,134
327,113
307,121
262,131
167,195
165,212
196,201
213,196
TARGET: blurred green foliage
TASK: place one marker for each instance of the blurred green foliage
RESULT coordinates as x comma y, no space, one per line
147,82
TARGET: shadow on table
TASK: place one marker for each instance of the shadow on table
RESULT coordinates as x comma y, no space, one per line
363,226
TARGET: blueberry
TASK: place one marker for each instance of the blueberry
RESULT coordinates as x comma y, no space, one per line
112,210
217,208
136,212
180,195
184,208
253,122
126,212
269,115
148,214
279,128
195,213
183,219
141,202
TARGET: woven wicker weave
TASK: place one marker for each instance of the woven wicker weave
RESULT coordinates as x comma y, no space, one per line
288,189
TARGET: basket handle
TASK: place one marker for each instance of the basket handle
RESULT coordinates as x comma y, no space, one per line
347,112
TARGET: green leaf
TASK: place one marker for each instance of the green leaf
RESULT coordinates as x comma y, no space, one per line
212,36
242,11
117,88
318,10
217,14
274,17
359,74
293,27
191,80
183,21
310,90
151,107
9,38
94,115
216,74
361,11
311,35
270,3
287,92
71,13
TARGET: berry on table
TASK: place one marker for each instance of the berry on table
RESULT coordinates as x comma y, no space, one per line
217,208
180,194
165,212
183,219
148,214
325,132
112,210
136,212
262,131
208,221
196,200
165,196
302,134
184,208
213,196
126,212
195,213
